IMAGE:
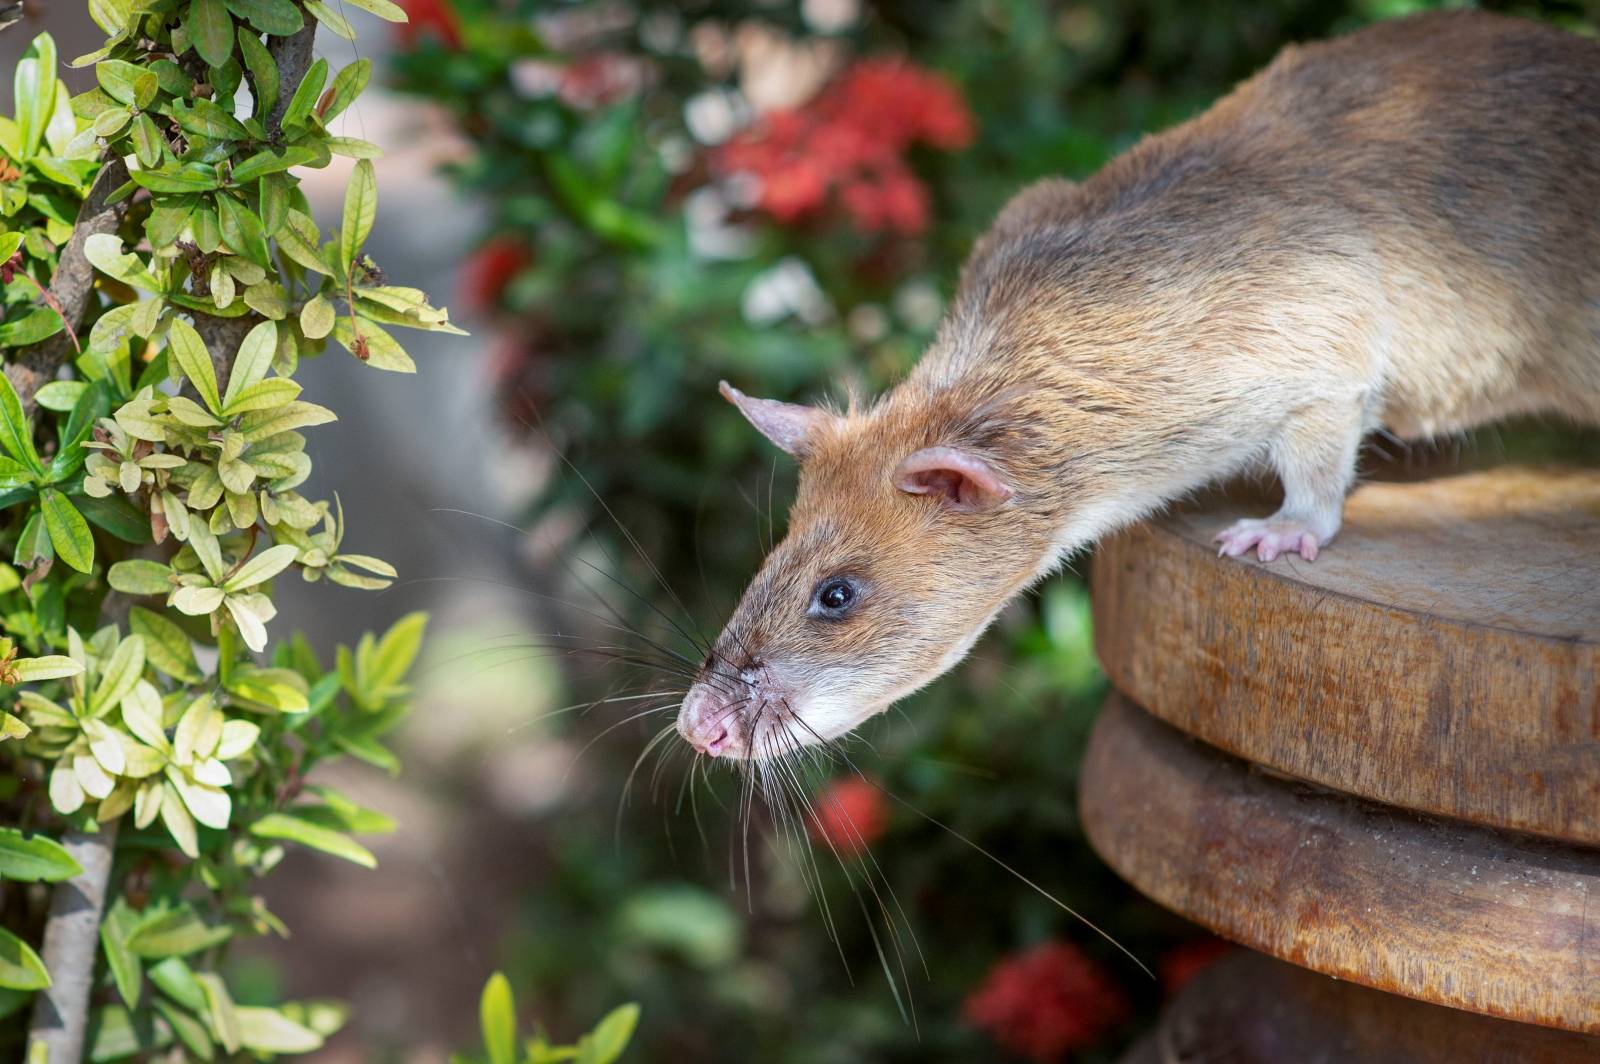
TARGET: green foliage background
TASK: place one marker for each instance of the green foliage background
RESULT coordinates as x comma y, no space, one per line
615,335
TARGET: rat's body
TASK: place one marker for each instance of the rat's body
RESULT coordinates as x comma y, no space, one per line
1398,229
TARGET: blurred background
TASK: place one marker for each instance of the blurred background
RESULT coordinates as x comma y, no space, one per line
625,202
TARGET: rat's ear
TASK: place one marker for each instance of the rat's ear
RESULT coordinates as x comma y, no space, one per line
960,479
789,425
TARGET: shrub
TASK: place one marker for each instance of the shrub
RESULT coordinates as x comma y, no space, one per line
164,280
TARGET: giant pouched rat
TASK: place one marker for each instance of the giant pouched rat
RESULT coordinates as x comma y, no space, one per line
1396,229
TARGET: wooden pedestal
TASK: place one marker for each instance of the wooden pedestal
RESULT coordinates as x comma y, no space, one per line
1383,766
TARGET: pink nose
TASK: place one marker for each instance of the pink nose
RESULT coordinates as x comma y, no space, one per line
713,746
705,722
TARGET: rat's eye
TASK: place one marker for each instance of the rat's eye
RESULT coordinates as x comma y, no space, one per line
834,597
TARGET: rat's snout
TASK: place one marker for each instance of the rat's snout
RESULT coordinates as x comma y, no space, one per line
710,721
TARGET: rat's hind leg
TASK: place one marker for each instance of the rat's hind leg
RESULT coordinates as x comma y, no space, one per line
1315,457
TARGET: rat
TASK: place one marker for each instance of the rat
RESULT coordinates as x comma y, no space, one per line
1396,229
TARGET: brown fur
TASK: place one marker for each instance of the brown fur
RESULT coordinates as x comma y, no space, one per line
1398,228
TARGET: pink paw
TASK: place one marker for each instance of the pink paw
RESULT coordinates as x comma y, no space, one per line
1270,538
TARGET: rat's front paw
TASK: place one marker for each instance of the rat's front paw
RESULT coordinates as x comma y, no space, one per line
1270,538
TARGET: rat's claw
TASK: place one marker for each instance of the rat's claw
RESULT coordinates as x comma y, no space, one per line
1270,538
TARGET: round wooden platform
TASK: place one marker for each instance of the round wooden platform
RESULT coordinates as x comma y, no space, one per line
1250,1009
1488,921
1443,654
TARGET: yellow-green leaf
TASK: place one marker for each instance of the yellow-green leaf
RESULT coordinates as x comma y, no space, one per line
360,208
194,360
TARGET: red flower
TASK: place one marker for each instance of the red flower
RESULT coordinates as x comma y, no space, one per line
1046,1002
601,79
1182,963
429,17
850,815
852,140
488,270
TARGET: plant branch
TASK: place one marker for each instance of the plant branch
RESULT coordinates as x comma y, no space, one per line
294,55
71,940
70,288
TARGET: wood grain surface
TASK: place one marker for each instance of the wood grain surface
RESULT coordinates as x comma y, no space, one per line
1250,1009
1489,921
1443,654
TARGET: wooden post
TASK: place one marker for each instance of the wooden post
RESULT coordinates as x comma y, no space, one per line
1383,766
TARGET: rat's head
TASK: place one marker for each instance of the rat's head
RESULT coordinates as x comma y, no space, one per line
905,538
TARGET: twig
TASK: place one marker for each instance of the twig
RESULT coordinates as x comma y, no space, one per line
36,365
71,940
55,305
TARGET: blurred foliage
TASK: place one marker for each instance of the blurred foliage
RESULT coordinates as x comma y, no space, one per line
497,1013
631,261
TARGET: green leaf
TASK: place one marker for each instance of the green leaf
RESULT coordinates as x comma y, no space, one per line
37,324
116,515
385,10
9,243
497,1015
147,141
263,69
220,1010
305,95
382,350
195,362
20,967
174,978
268,299
296,415
360,208
274,203
330,18
93,403
293,829
48,667
34,543
13,474
280,18
118,675
317,317
126,970
187,177
347,85
126,83
16,434
166,646
263,567
263,1030
210,30
395,653
354,148
104,252
205,119
242,230
140,576
190,1031
270,690
34,92
264,395
34,858
253,361
69,532
269,162
610,1037
175,933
